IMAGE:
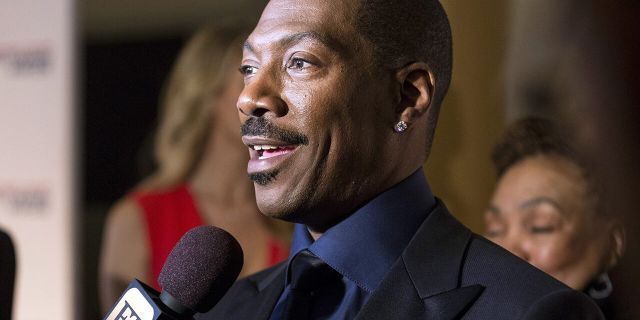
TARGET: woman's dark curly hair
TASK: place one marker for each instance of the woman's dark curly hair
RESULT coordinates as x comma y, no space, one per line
529,137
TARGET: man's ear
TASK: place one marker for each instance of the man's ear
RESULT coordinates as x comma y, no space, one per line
417,84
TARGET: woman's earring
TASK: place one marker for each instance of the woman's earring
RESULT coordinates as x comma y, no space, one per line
400,127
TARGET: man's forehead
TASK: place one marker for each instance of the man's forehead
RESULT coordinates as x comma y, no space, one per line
294,6
318,13
326,21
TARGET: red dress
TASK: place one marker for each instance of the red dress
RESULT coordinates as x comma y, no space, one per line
169,215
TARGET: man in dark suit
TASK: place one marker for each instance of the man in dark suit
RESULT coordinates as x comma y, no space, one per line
339,109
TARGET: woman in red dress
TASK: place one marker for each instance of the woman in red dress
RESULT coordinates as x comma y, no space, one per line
201,176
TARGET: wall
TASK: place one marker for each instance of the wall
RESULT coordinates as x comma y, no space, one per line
37,155
471,120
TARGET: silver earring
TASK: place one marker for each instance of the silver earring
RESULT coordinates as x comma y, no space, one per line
400,127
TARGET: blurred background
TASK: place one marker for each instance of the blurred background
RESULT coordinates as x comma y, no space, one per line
118,55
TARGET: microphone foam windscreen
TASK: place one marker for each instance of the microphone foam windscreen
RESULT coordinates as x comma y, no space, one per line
202,267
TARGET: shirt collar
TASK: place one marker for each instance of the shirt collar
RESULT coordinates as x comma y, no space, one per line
364,246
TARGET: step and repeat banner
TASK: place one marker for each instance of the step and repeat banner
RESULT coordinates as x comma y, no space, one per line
37,159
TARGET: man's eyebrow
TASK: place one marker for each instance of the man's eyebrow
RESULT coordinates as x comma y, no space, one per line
324,39
247,46
289,40
539,200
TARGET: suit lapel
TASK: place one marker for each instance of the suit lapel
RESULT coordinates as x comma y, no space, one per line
425,282
268,289
271,288
395,298
452,304
435,255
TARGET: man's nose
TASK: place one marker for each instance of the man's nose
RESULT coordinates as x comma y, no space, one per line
261,97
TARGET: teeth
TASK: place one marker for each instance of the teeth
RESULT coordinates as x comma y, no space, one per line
264,147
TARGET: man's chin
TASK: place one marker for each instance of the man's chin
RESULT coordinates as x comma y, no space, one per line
278,196
276,212
274,204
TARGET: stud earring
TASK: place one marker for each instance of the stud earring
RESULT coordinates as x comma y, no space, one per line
400,127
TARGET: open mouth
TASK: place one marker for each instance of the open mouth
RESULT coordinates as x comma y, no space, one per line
269,151
268,154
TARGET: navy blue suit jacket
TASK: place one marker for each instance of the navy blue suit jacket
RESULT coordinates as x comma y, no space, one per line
446,272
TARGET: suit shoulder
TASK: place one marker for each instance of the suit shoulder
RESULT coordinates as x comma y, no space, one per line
489,262
564,304
512,286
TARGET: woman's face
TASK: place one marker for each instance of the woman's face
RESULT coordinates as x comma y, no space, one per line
226,113
542,212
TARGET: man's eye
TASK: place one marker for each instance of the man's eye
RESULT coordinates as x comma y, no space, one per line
298,63
247,70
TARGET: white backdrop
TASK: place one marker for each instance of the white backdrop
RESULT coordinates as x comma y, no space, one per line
37,153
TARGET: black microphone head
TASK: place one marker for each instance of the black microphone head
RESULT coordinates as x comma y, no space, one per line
201,267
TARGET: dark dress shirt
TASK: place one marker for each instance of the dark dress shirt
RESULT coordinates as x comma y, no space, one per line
363,247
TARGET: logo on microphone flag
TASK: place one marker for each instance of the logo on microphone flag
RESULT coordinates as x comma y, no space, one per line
127,313
132,306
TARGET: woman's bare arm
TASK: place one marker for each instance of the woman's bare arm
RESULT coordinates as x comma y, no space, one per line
125,251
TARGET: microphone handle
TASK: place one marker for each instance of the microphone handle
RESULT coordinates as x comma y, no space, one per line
142,302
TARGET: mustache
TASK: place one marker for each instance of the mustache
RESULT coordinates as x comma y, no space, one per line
263,127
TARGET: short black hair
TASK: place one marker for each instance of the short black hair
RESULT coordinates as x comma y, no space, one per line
405,31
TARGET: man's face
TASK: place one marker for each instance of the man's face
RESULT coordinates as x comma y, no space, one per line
316,116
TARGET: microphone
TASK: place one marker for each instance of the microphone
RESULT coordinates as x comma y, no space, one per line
198,272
